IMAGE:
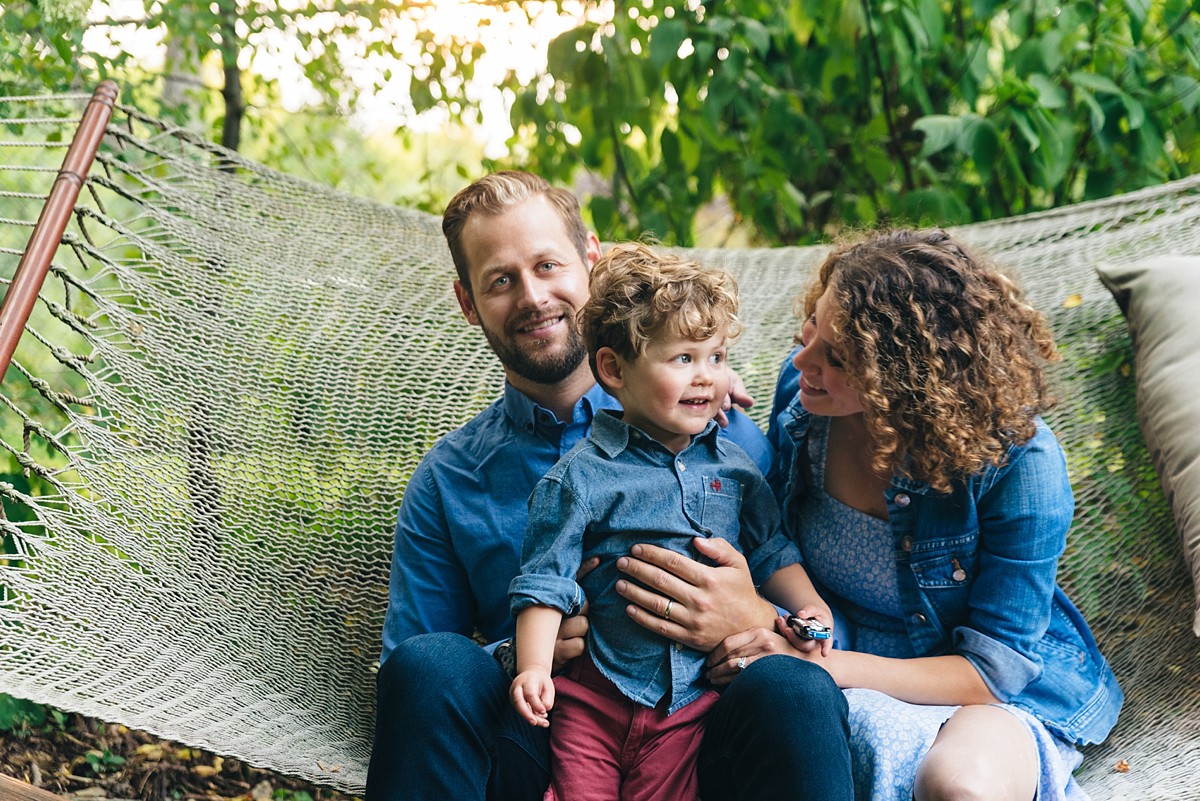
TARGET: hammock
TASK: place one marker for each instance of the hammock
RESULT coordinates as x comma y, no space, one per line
229,374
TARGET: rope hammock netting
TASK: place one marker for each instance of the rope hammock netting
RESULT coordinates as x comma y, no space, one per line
229,374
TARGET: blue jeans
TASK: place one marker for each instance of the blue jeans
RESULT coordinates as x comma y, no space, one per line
780,731
445,729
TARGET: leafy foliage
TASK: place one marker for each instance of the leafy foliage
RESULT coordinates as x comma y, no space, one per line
815,115
18,715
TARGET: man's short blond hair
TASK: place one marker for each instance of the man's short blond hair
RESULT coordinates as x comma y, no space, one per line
638,294
495,194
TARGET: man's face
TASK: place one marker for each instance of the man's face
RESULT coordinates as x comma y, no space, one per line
528,283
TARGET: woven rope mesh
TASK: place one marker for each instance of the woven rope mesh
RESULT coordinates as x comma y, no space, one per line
231,373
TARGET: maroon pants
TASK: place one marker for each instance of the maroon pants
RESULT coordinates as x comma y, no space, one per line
605,747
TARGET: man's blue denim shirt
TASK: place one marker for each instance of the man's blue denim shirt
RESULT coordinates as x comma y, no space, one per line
620,487
461,523
977,571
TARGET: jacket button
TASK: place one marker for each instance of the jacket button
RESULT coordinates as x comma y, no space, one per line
918,619
903,500
906,544
681,466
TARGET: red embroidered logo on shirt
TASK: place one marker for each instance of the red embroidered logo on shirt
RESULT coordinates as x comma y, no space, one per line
715,484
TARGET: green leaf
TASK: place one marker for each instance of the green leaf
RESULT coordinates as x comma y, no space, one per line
665,42
1053,56
565,54
941,131
757,35
1096,83
1135,112
800,24
982,143
1138,10
669,143
1025,126
1187,90
932,19
1098,116
1050,94
604,213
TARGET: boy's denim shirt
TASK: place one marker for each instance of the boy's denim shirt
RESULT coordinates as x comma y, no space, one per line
619,487
460,527
977,574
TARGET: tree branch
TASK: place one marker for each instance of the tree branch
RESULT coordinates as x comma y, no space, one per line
888,114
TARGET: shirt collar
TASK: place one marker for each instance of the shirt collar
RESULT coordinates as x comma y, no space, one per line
529,415
613,435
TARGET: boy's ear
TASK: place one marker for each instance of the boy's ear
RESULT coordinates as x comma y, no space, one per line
466,303
609,368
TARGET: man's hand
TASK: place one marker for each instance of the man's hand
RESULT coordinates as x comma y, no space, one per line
572,633
692,603
737,395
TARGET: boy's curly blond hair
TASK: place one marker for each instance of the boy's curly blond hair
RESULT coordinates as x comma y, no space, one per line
945,352
637,294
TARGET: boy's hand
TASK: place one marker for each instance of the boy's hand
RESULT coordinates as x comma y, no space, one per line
532,695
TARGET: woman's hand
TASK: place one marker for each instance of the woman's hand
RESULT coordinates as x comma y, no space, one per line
817,612
691,603
738,396
738,651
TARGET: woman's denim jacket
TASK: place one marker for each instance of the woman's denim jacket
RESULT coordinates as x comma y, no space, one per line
977,570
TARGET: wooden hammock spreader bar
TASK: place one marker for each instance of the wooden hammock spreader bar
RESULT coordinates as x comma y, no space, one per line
16,790
47,234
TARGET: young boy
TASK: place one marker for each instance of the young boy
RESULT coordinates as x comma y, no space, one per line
629,712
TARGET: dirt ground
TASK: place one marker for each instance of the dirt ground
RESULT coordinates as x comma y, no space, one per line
86,759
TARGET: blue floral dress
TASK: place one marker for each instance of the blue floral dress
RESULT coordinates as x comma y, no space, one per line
849,553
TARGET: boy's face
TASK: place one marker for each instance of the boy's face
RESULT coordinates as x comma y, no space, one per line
672,390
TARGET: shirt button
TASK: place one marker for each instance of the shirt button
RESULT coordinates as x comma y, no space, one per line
918,619
903,500
906,544
678,646
681,466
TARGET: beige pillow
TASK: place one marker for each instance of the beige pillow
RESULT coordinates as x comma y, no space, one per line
1160,298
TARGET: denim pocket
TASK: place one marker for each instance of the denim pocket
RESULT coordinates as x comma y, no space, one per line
722,507
943,571
945,581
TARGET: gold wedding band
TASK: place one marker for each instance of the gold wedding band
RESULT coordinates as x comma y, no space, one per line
667,611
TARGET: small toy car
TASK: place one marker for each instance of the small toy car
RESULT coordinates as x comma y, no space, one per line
809,628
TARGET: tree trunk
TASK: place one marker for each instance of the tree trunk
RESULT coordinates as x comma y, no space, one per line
231,132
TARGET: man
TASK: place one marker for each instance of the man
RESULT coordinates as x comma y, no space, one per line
445,728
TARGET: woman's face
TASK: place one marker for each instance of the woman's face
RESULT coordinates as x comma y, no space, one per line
823,387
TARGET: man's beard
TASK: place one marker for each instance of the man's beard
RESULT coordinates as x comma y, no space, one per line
540,365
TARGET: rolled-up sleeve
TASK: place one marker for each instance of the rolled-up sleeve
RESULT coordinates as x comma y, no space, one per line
1023,521
763,541
552,551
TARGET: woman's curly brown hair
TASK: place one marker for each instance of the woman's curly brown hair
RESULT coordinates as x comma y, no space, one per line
945,352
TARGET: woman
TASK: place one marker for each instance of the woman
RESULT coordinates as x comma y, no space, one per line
931,504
